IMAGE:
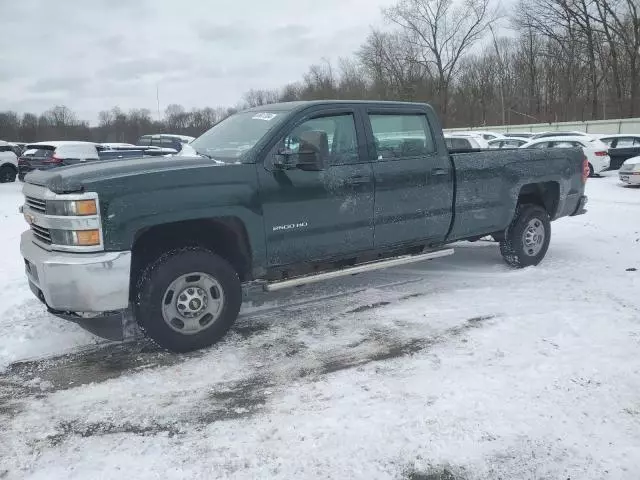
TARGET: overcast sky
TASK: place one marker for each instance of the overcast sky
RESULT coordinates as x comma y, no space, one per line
93,54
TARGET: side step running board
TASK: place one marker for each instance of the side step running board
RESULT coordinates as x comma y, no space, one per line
365,267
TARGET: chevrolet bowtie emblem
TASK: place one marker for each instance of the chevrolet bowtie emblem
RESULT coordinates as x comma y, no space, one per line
29,218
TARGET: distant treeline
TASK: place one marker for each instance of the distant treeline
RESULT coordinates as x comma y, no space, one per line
562,60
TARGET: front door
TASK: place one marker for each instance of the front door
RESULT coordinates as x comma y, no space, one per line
414,181
319,215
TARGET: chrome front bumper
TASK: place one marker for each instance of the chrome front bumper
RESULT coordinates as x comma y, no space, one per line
77,282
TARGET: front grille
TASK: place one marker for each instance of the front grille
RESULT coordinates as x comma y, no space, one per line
41,233
36,204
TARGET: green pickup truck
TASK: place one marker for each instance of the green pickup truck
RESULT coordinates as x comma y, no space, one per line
279,196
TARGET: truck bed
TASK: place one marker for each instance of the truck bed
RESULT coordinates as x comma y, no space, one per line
487,184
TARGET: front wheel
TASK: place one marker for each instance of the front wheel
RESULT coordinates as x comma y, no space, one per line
188,299
527,239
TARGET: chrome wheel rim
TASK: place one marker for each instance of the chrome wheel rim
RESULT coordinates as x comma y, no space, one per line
533,237
192,303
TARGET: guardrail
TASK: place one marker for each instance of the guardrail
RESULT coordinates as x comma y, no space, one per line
622,125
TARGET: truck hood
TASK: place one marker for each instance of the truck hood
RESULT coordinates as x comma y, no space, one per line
75,178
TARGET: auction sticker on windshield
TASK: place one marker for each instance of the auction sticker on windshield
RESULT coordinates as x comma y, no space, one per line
265,116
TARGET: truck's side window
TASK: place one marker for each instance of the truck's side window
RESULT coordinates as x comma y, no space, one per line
401,136
341,133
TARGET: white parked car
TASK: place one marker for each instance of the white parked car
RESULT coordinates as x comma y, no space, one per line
629,172
596,152
8,163
464,142
116,146
519,134
508,142
475,138
483,133
562,134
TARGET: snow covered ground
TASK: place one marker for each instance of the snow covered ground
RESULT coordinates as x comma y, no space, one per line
459,368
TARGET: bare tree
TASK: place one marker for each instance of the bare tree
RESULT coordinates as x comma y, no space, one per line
393,62
444,31
257,98
620,20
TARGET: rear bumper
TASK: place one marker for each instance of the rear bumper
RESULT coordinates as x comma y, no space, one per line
580,209
630,178
77,282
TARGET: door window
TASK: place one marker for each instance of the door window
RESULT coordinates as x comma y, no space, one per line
341,134
401,136
628,142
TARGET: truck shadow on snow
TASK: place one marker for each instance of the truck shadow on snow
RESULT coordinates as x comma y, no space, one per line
280,334
228,401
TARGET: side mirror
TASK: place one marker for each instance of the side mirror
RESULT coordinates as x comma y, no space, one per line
314,151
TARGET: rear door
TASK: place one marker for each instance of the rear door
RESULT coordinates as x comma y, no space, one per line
413,180
319,215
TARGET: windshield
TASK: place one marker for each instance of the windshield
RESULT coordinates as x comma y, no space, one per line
231,138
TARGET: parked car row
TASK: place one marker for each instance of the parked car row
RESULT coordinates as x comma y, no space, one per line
17,158
604,151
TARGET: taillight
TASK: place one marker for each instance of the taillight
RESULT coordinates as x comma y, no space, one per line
601,154
585,170
53,160
22,161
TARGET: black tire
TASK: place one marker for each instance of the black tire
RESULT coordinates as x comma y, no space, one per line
591,171
154,281
7,174
514,248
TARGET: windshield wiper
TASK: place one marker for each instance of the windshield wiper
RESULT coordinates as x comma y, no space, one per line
206,155
202,154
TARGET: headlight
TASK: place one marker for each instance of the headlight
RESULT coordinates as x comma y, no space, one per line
76,238
67,208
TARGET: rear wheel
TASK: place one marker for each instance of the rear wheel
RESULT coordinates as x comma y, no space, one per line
526,240
188,299
7,174
592,173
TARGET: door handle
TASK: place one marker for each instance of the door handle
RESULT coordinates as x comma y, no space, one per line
439,171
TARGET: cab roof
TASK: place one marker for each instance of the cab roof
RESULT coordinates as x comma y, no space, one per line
300,105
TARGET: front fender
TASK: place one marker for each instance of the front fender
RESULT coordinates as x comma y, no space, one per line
128,213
